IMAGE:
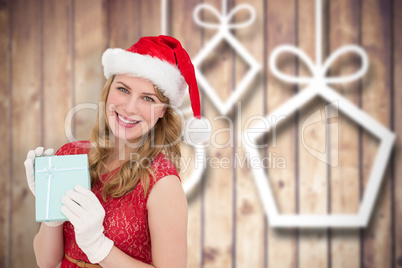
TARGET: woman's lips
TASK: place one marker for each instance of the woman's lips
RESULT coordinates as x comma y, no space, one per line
125,122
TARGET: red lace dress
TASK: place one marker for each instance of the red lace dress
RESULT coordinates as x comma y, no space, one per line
126,220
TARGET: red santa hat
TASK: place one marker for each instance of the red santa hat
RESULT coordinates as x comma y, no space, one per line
163,61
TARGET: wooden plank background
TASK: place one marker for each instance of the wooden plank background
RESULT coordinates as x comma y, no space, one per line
50,61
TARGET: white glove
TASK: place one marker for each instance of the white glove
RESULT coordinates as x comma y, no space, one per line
29,171
86,214
30,162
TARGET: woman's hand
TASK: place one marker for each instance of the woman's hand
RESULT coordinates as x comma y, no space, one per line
30,173
30,163
86,214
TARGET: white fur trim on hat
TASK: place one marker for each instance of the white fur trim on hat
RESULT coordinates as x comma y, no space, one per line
164,75
196,131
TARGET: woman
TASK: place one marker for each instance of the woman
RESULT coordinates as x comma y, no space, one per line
136,212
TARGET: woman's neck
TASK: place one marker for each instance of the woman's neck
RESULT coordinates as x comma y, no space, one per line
122,152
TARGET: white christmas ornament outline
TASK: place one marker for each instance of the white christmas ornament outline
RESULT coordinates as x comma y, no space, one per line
224,26
196,176
318,86
191,182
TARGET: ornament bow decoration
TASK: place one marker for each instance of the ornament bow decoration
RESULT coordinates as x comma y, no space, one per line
317,70
224,19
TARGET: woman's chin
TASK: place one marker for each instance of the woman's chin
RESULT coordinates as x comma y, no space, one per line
128,141
123,136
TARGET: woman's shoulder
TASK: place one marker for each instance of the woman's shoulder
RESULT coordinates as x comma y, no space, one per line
163,167
161,161
76,147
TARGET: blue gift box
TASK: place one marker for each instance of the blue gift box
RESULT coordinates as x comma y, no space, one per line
54,176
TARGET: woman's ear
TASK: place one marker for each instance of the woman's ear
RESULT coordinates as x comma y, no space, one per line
163,112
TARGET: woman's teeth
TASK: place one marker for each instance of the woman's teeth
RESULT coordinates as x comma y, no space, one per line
126,121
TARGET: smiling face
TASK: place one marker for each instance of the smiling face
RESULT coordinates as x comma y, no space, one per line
132,107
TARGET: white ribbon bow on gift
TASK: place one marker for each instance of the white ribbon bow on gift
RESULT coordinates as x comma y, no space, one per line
49,171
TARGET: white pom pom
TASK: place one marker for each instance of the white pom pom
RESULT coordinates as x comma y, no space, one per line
197,131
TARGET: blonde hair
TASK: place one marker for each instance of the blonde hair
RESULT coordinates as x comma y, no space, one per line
165,135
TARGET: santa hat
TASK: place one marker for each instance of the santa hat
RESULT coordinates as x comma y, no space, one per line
163,61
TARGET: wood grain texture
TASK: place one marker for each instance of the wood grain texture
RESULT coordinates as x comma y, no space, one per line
50,57
218,190
5,133
397,127
190,35
376,102
281,29
249,215
313,194
89,44
150,17
124,23
344,177
26,123
58,68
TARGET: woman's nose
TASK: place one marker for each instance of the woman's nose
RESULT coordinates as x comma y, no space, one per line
132,105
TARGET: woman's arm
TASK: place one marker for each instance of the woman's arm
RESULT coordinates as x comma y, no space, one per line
48,243
167,219
49,246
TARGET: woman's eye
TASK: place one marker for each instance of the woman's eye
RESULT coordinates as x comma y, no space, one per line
148,99
122,89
